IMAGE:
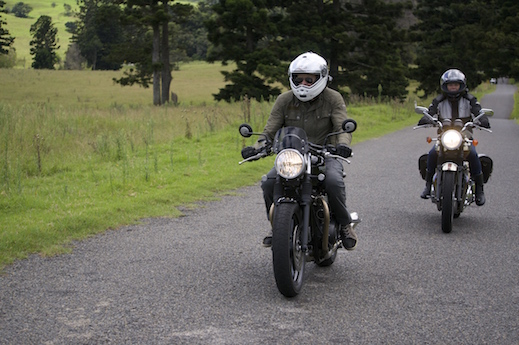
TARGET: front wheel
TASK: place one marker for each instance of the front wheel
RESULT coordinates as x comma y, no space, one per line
448,203
287,256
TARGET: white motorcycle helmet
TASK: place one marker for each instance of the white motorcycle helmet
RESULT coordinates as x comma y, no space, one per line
308,63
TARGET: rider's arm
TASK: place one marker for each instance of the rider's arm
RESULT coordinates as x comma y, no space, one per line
433,108
276,118
338,116
475,107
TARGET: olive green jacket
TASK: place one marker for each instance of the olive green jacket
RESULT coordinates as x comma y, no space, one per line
319,117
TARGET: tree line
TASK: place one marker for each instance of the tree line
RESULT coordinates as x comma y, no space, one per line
374,47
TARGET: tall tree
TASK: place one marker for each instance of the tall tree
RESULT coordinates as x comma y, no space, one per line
498,47
150,14
44,43
448,34
327,31
240,32
189,34
5,39
375,66
98,32
359,38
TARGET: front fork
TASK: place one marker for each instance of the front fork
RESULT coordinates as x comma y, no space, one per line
464,191
306,202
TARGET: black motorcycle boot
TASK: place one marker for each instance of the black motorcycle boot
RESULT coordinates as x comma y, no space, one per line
426,194
480,195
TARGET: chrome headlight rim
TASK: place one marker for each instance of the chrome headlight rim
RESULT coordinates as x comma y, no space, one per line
451,139
290,164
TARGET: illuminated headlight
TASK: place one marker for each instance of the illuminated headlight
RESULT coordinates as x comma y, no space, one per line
451,139
289,163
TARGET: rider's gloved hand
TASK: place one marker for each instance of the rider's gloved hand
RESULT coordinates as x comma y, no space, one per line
248,151
483,122
424,121
343,150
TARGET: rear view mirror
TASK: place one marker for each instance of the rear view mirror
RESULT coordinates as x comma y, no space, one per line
245,130
488,112
349,126
419,109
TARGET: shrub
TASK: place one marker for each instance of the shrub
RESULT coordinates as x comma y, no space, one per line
21,10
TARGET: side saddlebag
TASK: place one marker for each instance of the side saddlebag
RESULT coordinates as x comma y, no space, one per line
422,165
486,166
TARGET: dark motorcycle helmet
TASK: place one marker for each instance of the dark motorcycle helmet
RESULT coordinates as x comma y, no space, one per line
453,76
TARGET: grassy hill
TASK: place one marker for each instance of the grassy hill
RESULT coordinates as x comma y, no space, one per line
20,27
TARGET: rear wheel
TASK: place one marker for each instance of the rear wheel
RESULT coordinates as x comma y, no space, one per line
448,203
287,256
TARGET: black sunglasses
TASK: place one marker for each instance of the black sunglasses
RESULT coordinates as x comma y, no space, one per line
299,80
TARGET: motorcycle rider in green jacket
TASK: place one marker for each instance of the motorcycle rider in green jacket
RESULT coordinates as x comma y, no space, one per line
319,110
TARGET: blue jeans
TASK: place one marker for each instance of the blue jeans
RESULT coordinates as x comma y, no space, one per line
334,186
473,159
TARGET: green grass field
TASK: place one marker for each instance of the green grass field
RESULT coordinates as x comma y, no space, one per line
193,83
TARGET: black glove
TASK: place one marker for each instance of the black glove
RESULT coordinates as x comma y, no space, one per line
483,122
248,151
424,121
343,150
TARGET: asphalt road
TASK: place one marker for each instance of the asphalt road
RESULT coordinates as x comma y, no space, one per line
205,279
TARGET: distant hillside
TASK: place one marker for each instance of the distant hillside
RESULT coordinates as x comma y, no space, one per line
19,28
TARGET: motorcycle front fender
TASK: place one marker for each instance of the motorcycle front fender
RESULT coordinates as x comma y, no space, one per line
449,166
446,166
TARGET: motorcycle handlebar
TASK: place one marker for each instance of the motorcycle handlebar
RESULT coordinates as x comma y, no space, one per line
437,123
255,157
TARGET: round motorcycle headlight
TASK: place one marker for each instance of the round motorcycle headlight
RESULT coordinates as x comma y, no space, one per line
289,163
451,139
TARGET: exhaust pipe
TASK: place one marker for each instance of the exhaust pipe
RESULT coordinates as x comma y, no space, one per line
326,227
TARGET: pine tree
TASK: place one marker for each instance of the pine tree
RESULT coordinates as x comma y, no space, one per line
498,47
6,40
98,33
360,40
449,34
240,32
44,43
141,16
373,64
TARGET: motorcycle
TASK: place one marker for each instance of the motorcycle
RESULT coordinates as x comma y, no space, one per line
453,189
303,225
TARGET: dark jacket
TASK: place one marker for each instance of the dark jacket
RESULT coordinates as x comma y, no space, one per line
464,107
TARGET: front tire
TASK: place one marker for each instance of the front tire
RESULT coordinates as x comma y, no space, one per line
448,203
287,256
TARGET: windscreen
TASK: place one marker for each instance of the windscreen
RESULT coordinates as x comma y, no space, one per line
290,137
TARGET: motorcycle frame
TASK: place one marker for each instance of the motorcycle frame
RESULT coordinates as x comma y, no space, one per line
300,191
